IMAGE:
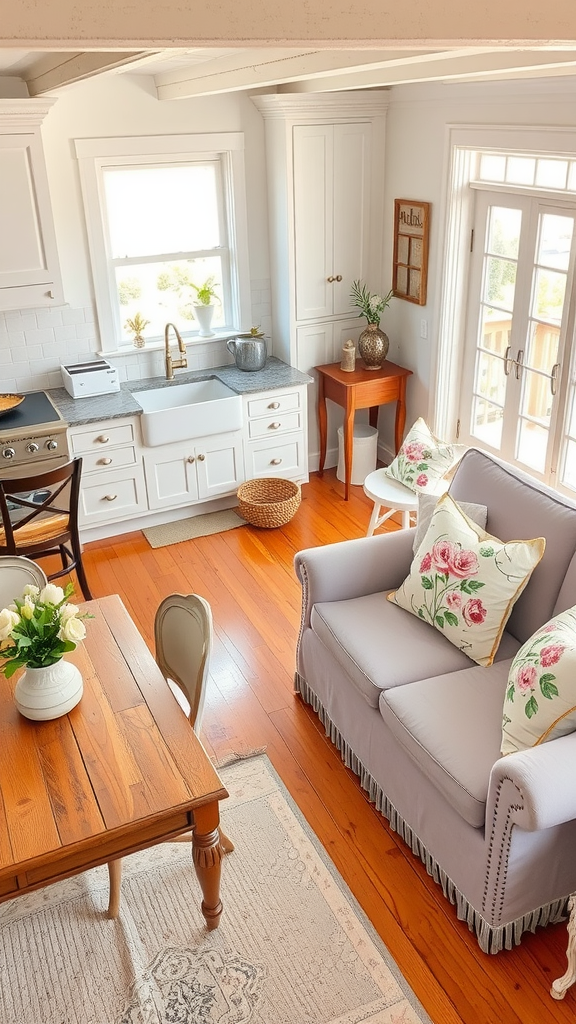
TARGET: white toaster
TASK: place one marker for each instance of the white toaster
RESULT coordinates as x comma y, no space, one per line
97,377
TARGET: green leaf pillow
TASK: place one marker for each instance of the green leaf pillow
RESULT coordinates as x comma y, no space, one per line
423,459
464,582
540,702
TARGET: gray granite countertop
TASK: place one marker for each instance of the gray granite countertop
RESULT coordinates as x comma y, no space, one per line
75,411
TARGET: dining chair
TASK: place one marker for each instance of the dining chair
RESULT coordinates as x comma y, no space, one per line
183,636
17,572
40,518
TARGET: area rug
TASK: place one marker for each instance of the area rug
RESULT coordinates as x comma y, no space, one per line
293,946
195,526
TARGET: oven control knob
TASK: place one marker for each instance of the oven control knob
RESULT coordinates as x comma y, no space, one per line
8,453
51,445
32,447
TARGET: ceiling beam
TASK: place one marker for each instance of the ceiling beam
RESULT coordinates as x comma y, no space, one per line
58,69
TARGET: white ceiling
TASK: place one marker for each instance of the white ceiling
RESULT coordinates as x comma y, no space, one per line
180,73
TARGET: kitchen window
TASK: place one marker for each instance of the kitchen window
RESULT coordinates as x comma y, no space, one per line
165,215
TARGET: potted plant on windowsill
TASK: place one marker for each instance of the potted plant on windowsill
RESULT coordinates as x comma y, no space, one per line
204,305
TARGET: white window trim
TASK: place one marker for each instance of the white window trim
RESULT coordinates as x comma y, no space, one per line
462,144
95,154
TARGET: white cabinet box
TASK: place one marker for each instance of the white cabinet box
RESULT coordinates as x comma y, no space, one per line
276,435
29,267
112,485
191,471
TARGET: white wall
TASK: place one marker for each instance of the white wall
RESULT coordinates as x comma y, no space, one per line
35,342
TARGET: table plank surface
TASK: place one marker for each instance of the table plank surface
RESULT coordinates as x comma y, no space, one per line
121,771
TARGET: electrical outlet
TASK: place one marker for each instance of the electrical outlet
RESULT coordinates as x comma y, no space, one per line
423,328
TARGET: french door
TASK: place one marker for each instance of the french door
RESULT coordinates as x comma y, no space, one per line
516,395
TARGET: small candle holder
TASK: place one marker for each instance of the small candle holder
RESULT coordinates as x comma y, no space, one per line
348,356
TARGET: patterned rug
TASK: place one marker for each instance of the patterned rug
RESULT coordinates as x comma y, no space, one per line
293,946
194,526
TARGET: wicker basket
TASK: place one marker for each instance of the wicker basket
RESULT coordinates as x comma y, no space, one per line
268,501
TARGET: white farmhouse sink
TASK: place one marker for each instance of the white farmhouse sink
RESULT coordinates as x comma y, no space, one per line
180,412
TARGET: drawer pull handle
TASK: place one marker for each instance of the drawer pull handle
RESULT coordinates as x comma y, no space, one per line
103,439
110,497
190,458
274,405
201,458
104,462
275,462
275,426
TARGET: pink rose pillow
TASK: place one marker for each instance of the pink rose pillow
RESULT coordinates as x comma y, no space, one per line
540,702
465,582
424,460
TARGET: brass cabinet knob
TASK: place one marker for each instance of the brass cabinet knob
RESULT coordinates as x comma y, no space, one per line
275,462
201,458
190,458
103,439
275,426
338,277
330,279
110,497
104,462
274,405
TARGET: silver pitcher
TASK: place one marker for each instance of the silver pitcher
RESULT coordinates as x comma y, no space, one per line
249,352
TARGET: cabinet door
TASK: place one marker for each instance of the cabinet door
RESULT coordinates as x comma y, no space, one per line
29,270
171,476
331,215
219,465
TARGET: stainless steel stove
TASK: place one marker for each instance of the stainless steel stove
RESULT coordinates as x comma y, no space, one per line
32,437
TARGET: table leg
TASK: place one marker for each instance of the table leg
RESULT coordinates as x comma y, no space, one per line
348,428
207,859
400,416
559,987
322,422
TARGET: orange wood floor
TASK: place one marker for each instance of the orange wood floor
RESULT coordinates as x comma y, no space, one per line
247,575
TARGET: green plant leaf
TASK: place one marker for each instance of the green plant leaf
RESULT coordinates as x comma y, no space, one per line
548,688
510,693
451,619
531,707
440,621
427,583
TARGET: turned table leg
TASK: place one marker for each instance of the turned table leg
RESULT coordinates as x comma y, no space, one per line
560,986
207,859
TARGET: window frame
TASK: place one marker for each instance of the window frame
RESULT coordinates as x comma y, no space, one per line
96,155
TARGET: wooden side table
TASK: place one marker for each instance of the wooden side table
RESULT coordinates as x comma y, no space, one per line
359,389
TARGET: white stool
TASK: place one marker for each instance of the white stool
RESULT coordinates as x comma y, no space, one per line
391,494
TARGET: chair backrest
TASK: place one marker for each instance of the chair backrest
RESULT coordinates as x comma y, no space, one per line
16,572
183,635
40,510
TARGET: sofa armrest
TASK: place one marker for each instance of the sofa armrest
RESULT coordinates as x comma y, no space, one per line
353,568
536,785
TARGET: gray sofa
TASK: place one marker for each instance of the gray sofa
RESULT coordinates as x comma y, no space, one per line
421,724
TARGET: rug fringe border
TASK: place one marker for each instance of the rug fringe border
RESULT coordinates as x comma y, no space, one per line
238,755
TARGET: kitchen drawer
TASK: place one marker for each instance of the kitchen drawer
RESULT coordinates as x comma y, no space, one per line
274,424
283,402
116,458
102,435
118,496
276,457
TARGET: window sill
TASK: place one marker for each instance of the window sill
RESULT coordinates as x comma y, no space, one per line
159,346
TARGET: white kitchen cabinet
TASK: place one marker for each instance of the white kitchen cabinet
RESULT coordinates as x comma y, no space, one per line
325,160
192,471
112,486
276,432
29,266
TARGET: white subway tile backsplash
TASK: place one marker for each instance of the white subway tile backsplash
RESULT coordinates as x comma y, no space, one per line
35,338
74,316
49,318
65,334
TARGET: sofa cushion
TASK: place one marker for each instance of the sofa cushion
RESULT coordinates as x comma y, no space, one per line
450,726
426,505
519,506
540,702
380,645
423,459
464,581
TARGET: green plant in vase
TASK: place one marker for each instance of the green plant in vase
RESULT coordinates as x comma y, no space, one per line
373,344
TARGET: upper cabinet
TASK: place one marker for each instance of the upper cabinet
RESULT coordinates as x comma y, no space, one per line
29,267
325,158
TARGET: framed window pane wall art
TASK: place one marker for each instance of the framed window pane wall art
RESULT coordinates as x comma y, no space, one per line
410,260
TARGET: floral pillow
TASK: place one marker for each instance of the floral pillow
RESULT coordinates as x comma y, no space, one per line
464,582
426,505
540,702
423,459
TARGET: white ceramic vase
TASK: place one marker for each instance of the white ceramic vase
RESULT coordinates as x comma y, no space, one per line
46,693
204,316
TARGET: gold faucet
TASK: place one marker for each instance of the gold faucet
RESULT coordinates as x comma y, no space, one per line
174,364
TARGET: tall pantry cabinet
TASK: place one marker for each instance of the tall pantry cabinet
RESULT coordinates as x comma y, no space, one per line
325,165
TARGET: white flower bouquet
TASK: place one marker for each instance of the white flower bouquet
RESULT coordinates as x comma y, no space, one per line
38,628
369,303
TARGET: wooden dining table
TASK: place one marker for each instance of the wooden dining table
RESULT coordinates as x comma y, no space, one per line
120,772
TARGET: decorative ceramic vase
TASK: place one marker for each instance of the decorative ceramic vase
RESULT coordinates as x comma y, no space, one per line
373,346
204,316
139,341
50,692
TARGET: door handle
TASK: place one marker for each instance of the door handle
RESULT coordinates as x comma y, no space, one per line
508,360
519,363
554,378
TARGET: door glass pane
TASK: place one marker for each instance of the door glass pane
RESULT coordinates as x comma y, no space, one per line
495,330
487,422
569,475
542,350
555,241
504,231
551,173
491,382
548,299
532,445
